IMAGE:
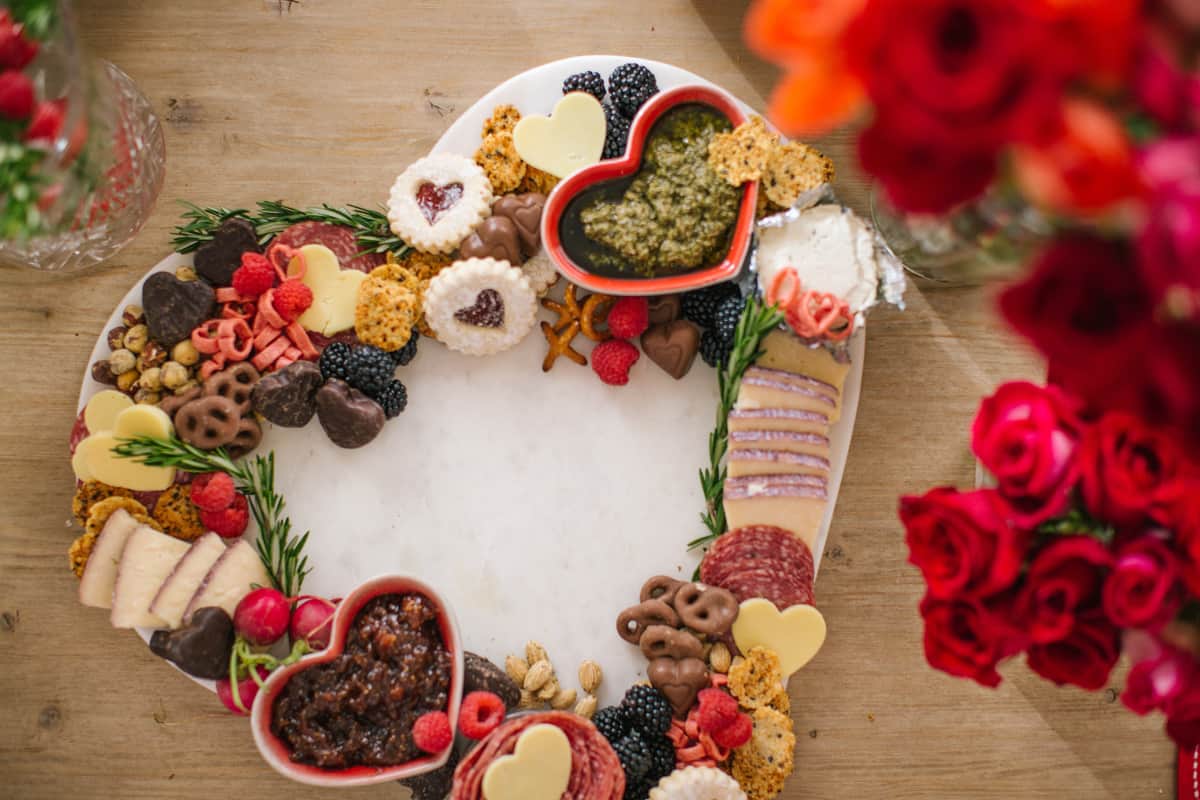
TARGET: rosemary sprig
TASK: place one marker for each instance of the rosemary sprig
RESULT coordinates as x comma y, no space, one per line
281,552
370,226
756,321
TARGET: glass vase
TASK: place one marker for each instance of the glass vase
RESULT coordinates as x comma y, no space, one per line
96,180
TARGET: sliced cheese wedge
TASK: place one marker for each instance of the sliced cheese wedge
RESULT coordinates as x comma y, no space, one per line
779,500
795,378
177,590
760,391
148,559
235,573
96,585
814,444
778,419
743,461
784,350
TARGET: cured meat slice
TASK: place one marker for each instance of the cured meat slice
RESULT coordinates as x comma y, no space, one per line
761,561
757,541
338,238
784,588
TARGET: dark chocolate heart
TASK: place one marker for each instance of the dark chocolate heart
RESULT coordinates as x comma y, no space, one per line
174,307
495,237
481,675
679,680
525,210
200,648
349,417
216,261
434,200
488,311
672,346
288,397
665,308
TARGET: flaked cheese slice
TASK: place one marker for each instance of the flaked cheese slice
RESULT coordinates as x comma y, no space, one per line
793,502
96,585
763,392
778,419
235,573
745,461
177,590
784,350
814,444
148,559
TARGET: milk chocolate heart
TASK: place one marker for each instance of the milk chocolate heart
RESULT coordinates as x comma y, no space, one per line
488,311
679,680
673,346
525,210
665,308
216,261
349,417
434,200
174,307
287,397
495,237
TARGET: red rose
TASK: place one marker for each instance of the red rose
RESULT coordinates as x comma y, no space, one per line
962,541
16,94
1085,308
1064,580
966,638
1129,471
1084,658
1183,521
1183,716
1026,436
1169,390
1143,590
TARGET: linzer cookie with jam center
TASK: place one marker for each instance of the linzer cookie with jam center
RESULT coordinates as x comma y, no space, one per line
480,306
438,201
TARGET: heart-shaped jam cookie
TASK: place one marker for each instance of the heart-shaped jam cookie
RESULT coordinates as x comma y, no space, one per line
438,201
434,200
487,312
480,306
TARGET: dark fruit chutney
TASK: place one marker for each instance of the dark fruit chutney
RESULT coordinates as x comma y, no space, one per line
359,709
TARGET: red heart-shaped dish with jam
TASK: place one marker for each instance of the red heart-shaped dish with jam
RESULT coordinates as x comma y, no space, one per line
392,633
651,222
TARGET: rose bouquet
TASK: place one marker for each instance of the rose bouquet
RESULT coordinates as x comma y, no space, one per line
1089,545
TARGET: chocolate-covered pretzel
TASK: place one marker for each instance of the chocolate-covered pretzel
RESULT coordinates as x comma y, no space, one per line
249,434
234,383
660,587
633,621
173,402
710,610
208,422
662,641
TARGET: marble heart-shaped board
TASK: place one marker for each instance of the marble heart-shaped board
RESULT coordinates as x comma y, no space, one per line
485,487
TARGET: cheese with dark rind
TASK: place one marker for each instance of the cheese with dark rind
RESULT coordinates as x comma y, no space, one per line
757,461
177,590
148,559
786,351
235,573
100,574
778,502
792,377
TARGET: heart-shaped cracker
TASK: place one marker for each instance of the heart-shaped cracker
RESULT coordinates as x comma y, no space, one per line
571,138
795,634
539,768
335,291
94,459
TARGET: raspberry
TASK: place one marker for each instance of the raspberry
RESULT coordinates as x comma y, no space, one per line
734,735
292,299
228,523
213,491
431,732
481,713
611,360
47,120
629,317
718,710
254,276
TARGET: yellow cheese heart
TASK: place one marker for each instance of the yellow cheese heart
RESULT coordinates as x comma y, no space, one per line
100,413
94,459
569,139
538,769
335,290
795,634
143,420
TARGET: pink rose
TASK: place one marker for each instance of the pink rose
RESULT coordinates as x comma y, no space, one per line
1168,245
1064,581
1026,435
1144,588
1158,675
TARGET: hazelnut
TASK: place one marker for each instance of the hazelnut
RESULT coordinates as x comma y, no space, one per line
719,658
151,379
153,355
126,380
102,374
137,337
186,273
185,353
173,375
133,314
146,397
122,361
116,337
187,386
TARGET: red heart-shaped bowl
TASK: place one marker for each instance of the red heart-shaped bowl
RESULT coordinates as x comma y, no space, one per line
276,752
614,169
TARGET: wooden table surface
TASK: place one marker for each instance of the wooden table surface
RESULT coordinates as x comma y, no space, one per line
326,101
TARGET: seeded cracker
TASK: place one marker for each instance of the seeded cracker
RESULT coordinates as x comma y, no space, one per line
99,513
386,311
538,181
503,120
792,169
91,492
500,161
742,155
756,680
423,265
175,512
763,764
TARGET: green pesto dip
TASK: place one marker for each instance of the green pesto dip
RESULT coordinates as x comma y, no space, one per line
676,214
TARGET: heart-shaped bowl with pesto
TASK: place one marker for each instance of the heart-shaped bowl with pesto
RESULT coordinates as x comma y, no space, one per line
600,268
276,751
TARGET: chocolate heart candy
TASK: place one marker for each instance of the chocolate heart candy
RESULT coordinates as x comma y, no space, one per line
174,307
495,237
525,210
200,648
672,346
288,397
680,680
349,417
488,311
481,675
217,260
665,308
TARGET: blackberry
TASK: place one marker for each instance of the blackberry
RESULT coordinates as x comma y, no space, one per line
612,723
407,353
590,82
634,755
662,757
647,709
393,398
629,86
335,361
638,790
370,370
616,135
725,319
700,306
713,349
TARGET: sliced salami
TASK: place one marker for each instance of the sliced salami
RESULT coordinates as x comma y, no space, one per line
784,588
755,546
338,238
